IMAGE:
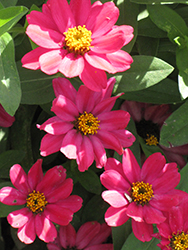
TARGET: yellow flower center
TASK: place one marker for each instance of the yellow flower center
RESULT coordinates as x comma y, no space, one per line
36,202
151,140
141,192
78,40
179,241
87,124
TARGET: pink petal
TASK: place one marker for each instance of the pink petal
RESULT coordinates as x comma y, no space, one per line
86,233
67,236
130,165
50,61
142,230
85,154
52,246
102,235
18,178
64,108
114,198
152,167
164,229
115,217
6,120
62,86
11,196
45,229
50,144
113,164
102,18
114,120
108,90
95,79
58,215
19,218
120,60
61,192
113,180
164,202
27,233
110,141
107,246
73,203
52,179
70,144
35,174
100,62
31,59
99,151
135,212
176,220
72,65
153,215
134,109
61,14
125,137
45,38
78,8
128,32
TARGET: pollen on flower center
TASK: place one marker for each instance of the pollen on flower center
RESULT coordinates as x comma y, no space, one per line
87,124
78,40
141,192
151,140
179,241
36,202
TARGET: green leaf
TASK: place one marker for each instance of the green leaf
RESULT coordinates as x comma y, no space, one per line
133,243
10,91
158,1
165,91
10,16
145,72
3,139
147,46
175,129
168,20
8,159
183,84
183,184
7,3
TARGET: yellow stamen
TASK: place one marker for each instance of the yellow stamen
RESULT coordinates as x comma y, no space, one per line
78,40
36,202
141,192
179,241
87,123
151,140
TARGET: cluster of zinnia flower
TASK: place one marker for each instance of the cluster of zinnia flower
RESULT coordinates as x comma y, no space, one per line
84,126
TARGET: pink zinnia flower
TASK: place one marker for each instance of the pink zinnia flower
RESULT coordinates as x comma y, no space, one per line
90,236
6,120
173,233
139,193
46,198
149,120
84,124
78,40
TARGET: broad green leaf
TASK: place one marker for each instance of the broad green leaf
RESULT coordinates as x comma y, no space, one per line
8,159
3,139
183,84
147,45
145,72
158,1
165,91
175,129
183,184
29,3
36,86
10,16
168,20
10,91
133,243
7,3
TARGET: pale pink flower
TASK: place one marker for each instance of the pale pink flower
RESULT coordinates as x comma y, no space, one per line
79,39
149,120
90,236
6,120
84,124
140,193
46,198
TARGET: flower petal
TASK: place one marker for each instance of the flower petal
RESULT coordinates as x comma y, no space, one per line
27,233
78,8
127,30
102,235
114,198
73,203
164,202
125,137
142,230
45,229
115,217
11,196
35,174
19,217
67,236
153,215
135,212
18,178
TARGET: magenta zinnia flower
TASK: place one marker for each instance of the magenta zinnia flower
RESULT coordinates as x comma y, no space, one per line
46,198
90,236
78,40
84,124
149,120
6,120
173,233
139,193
